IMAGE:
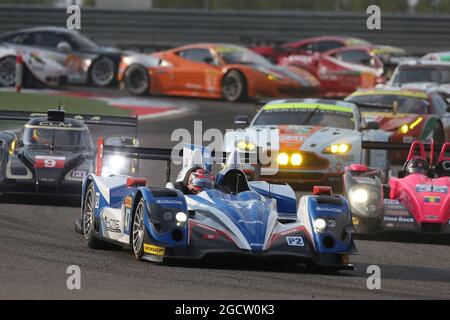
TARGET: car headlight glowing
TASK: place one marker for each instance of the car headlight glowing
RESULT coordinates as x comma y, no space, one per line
320,225
117,162
341,148
245,146
181,217
407,127
359,195
296,159
283,159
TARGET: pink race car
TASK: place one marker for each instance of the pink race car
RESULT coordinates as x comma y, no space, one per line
417,200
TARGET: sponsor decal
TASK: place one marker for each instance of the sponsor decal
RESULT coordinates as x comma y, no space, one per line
432,217
55,124
295,241
210,236
49,162
97,200
431,188
160,201
128,202
432,199
332,209
112,225
155,250
398,219
250,222
79,174
127,218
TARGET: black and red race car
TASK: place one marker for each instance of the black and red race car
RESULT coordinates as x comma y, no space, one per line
52,153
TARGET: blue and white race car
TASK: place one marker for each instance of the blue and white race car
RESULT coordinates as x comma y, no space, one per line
236,217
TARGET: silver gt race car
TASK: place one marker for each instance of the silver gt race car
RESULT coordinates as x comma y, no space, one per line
53,153
230,217
38,68
308,140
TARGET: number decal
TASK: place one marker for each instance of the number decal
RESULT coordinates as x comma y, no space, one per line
49,162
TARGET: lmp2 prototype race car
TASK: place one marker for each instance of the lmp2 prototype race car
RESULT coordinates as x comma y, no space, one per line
417,200
215,71
308,140
53,153
407,114
199,215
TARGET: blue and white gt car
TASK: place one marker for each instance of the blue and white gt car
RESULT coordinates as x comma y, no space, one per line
255,219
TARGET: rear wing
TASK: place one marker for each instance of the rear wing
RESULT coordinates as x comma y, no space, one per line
121,121
161,154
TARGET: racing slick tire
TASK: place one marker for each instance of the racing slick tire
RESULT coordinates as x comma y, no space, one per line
102,72
136,80
234,86
88,220
138,230
7,71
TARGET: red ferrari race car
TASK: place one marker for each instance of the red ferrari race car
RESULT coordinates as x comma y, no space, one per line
215,71
417,200
307,46
341,71
408,114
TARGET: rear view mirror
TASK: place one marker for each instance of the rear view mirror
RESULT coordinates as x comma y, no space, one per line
241,120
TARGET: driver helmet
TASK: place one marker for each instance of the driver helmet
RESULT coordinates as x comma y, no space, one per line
417,165
41,136
199,180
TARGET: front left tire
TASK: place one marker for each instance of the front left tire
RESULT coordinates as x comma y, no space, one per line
88,219
138,230
102,72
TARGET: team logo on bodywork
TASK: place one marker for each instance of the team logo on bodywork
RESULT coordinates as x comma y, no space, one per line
155,250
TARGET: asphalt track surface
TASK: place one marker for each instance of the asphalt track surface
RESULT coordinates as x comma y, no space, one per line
38,243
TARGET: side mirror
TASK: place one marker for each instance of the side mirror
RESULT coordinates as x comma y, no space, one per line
372,126
64,47
241,120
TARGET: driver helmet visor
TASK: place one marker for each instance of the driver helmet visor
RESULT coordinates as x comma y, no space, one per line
203,183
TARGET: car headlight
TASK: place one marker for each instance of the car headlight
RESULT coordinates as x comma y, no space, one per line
283,159
270,74
181,217
245,146
320,225
359,195
117,162
342,148
296,159
405,128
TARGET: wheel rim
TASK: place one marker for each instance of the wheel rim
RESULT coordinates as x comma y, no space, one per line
8,71
88,216
232,88
137,80
138,228
103,71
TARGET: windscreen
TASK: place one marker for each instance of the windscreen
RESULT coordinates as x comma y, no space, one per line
436,74
384,103
64,139
307,116
240,55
